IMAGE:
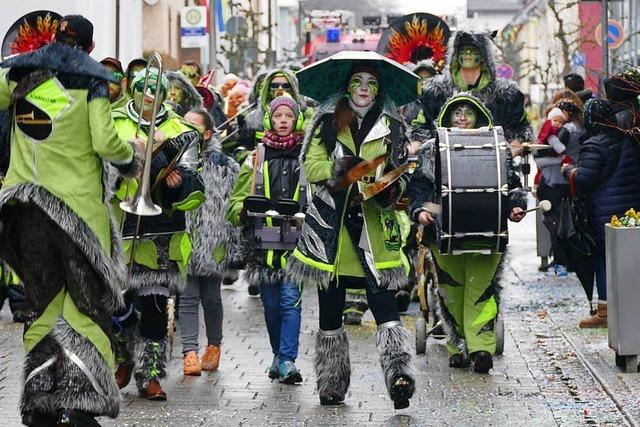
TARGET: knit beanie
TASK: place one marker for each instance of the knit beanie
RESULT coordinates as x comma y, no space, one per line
284,100
555,112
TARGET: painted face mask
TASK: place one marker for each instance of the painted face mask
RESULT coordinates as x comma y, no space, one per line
469,57
464,116
191,73
176,93
279,86
363,89
151,90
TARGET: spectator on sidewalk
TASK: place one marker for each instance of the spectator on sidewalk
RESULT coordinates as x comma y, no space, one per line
607,174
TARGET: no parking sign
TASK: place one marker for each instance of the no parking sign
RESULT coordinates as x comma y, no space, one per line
615,34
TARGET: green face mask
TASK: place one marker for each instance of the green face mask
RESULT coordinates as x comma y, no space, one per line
464,116
137,94
469,57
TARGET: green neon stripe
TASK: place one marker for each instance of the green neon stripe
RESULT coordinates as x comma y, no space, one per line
488,313
313,263
86,327
388,264
44,324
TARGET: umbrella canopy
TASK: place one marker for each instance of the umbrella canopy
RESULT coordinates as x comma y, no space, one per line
330,76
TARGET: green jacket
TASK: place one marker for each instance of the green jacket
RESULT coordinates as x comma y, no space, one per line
322,254
189,196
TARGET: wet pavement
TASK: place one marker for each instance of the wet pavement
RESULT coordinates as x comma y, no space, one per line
552,373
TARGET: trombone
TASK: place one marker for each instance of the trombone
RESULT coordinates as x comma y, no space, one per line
141,204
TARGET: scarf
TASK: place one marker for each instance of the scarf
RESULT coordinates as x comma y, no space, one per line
271,139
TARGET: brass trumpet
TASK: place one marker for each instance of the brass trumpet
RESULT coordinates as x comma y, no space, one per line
30,119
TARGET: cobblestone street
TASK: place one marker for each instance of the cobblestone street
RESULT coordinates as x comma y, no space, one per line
551,373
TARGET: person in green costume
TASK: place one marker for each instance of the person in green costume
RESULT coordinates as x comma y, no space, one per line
117,93
354,246
468,282
162,250
57,232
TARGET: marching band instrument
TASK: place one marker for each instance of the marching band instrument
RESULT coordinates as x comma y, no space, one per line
474,190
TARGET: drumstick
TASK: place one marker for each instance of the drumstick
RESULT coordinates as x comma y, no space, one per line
544,206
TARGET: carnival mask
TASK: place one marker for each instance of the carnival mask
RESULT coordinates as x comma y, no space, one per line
363,88
176,94
464,116
469,57
191,73
279,86
148,100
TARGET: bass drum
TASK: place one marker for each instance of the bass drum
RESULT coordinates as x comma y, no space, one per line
474,190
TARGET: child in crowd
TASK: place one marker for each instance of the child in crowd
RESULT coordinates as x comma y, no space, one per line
272,171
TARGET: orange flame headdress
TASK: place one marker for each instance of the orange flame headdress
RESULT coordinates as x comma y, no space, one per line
30,32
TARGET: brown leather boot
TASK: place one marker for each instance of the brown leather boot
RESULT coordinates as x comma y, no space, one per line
123,374
598,320
211,358
191,364
154,391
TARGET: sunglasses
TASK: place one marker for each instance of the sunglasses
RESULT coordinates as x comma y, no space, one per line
118,75
280,86
152,87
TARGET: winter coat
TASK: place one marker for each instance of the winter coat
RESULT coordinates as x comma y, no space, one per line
161,260
424,188
62,172
502,97
607,173
281,177
211,234
326,248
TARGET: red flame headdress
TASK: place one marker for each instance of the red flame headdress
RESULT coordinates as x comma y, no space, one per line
30,32
415,37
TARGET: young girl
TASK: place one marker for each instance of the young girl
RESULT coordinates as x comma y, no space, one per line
273,171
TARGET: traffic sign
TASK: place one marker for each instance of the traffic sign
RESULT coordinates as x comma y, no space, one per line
193,27
579,59
615,35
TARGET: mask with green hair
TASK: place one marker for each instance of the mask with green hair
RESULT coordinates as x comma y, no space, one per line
137,86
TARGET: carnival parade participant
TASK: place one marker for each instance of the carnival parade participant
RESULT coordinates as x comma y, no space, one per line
211,237
273,171
57,233
182,95
355,245
161,254
117,95
468,282
472,69
277,83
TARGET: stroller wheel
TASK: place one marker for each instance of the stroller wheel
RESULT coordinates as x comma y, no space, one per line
421,336
499,335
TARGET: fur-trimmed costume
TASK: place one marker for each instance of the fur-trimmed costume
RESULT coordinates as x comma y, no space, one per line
57,231
502,97
469,282
163,249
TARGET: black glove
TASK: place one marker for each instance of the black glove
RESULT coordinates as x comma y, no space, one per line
341,168
389,196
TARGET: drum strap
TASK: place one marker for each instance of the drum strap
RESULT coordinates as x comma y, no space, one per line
259,180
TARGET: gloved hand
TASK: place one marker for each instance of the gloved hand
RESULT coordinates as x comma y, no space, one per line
389,196
341,168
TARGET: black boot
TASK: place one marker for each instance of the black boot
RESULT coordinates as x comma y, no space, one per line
458,361
75,418
37,419
482,362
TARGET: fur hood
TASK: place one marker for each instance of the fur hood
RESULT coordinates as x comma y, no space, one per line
485,117
192,99
260,75
291,78
62,58
483,41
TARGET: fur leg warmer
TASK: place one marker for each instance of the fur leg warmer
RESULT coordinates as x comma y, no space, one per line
40,377
151,359
332,364
394,349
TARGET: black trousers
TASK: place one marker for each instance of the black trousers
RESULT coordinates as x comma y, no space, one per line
555,195
331,301
153,318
